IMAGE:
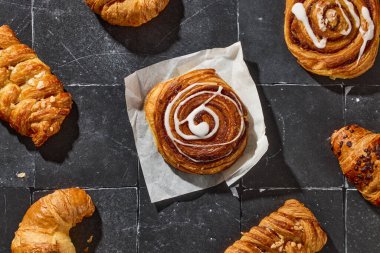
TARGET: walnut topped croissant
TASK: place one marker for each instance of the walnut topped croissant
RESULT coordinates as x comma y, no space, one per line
32,99
358,151
46,225
335,38
291,229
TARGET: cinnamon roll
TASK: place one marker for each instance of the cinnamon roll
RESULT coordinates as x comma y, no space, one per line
198,122
335,38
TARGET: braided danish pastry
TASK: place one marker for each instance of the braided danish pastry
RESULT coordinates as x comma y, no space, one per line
335,38
32,99
358,151
198,122
291,229
127,12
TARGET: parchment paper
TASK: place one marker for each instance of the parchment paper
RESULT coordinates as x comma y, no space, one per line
164,182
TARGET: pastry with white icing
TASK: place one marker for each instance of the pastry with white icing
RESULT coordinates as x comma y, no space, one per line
335,38
198,122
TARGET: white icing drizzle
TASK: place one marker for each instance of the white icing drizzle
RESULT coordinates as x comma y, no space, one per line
202,130
321,20
353,13
300,13
344,32
367,35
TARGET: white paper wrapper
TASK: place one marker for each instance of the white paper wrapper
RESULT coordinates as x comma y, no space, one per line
164,182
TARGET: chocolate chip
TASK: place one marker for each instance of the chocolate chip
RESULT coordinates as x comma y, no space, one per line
349,144
369,176
358,162
345,136
356,168
360,176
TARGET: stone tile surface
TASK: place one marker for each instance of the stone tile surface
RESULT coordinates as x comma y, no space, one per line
363,222
202,223
95,147
13,204
299,121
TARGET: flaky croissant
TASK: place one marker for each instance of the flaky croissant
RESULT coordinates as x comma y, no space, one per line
46,225
358,151
32,99
292,229
335,38
127,12
198,122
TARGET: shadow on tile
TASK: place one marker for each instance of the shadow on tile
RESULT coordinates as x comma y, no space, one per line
22,139
153,37
275,142
56,149
87,234
254,70
218,189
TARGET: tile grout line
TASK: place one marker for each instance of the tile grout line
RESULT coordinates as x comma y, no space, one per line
93,85
138,208
345,221
237,19
32,21
346,90
337,188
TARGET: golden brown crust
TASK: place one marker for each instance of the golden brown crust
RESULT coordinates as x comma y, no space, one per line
339,58
46,225
127,12
358,151
292,229
209,156
32,99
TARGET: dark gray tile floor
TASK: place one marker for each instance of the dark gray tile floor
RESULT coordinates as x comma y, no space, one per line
95,148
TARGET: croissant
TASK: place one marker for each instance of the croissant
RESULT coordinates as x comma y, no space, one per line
291,229
198,122
32,99
46,225
127,12
335,38
358,152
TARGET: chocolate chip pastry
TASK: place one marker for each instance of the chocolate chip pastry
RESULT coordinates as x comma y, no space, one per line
358,152
292,229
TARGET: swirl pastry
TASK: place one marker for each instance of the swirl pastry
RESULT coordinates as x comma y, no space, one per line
292,229
335,38
46,225
127,12
32,99
198,122
358,151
